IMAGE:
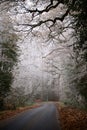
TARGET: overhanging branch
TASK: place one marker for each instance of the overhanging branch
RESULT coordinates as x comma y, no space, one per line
47,9
48,20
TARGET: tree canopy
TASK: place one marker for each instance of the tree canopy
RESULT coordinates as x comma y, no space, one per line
75,8
74,12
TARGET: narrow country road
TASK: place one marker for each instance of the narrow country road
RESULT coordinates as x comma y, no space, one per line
41,118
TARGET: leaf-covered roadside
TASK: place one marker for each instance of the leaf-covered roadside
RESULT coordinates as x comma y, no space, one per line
72,118
9,113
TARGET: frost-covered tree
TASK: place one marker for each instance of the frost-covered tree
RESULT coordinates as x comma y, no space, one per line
8,56
56,17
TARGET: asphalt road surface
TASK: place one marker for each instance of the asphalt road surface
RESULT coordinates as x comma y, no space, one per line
41,118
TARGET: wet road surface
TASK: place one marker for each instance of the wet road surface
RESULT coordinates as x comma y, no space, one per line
41,118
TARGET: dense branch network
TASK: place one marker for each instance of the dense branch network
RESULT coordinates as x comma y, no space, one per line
48,8
52,4
48,20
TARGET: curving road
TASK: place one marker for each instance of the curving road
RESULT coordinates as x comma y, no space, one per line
41,118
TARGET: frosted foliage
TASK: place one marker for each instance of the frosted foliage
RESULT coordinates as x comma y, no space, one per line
45,55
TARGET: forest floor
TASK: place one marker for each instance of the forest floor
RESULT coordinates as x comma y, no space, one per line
72,118
9,113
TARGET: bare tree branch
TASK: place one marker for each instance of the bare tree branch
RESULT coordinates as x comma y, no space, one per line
47,9
48,20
